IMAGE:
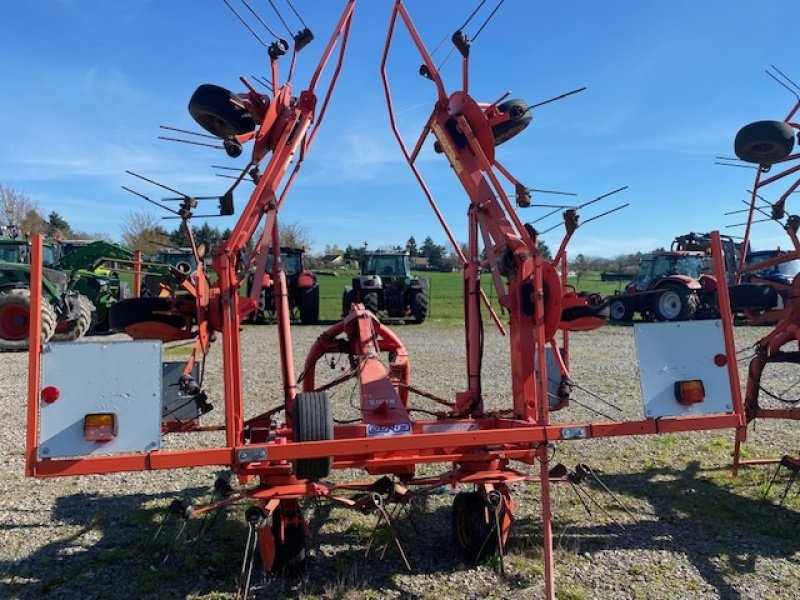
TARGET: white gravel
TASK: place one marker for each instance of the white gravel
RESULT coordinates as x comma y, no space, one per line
696,533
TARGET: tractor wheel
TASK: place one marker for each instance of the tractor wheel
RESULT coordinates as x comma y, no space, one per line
520,117
347,299
371,302
80,326
473,529
125,313
211,107
753,296
309,306
15,310
419,307
764,142
290,548
675,303
312,421
618,310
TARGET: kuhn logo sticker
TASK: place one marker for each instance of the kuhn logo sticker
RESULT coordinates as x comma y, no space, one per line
381,430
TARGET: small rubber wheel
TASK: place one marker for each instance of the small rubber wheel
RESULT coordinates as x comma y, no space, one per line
764,142
472,526
211,107
128,312
618,310
371,302
519,118
309,306
290,548
312,421
419,307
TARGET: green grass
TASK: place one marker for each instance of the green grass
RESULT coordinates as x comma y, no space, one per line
446,293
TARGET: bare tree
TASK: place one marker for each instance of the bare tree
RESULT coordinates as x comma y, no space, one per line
294,234
17,208
142,230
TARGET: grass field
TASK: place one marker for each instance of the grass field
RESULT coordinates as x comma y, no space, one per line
446,293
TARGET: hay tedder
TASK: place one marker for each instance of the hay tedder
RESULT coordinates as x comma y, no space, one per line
289,450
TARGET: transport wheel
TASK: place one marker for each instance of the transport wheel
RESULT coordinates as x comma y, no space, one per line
309,306
753,296
619,311
80,326
371,302
675,303
128,312
520,118
15,310
290,547
472,527
312,421
419,307
211,107
764,142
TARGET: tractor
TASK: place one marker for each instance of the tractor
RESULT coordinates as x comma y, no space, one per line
301,287
675,285
66,313
387,287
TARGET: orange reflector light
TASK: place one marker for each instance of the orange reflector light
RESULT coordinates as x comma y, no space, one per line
689,392
100,427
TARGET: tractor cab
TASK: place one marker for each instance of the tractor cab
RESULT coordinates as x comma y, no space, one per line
655,267
387,266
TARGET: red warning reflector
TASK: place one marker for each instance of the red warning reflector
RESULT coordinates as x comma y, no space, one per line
100,427
689,392
50,394
720,360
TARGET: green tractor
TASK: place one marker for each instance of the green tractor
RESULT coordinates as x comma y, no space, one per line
387,288
66,313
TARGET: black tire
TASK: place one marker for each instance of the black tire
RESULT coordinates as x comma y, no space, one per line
618,310
581,312
348,297
674,302
764,142
371,302
80,326
15,306
312,421
128,312
419,306
521,117
290,550
211,107
472,524
309,306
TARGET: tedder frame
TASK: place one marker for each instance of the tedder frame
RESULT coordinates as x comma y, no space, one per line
280,460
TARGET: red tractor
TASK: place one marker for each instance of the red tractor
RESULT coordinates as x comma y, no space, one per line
301,287
675,285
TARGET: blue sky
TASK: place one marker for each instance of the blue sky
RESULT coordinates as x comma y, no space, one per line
86,83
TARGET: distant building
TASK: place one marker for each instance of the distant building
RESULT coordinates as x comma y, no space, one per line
420,263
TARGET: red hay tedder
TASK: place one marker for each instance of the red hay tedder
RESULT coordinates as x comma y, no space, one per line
287,452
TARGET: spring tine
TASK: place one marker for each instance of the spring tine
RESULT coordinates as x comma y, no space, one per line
787,488
774,477
602,509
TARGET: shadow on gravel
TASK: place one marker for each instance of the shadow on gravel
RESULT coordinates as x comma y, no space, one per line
722,533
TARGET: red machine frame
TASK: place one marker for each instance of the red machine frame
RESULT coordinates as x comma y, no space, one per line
481,452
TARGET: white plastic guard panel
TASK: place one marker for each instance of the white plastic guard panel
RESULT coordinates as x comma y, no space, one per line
123,378
680,351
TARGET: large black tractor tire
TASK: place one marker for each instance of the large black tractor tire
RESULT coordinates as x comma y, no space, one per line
125,313
752,296
472,524
764,142
312,421
371,302
15,310
419,307
81,325
290,549
619,310
211,107
675,303
309,306
520,115
348,297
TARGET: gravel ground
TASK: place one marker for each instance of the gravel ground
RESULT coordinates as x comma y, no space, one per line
694,532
